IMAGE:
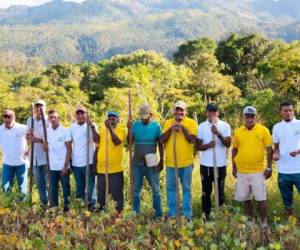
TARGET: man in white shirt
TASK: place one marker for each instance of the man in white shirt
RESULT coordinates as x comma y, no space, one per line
286,138
13,146
78,132
221,129
40,161
59,148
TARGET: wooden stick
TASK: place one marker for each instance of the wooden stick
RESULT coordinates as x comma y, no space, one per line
216,173
87,170
31,158
106,171
196,154
47,153
176,176
130,148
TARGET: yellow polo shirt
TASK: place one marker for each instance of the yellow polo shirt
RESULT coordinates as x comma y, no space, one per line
184,149
115,152
251,145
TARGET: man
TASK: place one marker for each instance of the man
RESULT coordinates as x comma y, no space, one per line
78,132
185,130
221,130
250,143
59,148
40,160
145,135
286,138
13,145
110,138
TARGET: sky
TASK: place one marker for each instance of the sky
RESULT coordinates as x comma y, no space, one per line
7,3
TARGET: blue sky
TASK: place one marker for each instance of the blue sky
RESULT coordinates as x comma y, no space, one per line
7,3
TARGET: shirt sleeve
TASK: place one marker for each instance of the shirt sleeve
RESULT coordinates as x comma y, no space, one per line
28,124
23,130
267,138
200,132
235,141
275,135
166,126
227,130
68,136
193,128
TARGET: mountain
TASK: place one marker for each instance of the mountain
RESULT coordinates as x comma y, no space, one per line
95,29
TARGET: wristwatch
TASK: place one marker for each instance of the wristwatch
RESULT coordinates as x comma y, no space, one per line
269,169
92,126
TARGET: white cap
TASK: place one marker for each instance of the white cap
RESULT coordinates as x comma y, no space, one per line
40,102
249,110
180,104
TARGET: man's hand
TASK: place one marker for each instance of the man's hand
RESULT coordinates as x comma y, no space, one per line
176,126
214,130
45,146
65,171
268,173
294,153
88,120
276,156
129,125
212,144
108,124
160,166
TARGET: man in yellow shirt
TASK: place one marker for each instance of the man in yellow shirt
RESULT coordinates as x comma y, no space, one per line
110,139
181,154
250,143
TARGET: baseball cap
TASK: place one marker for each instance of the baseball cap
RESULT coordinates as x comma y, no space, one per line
40,102
249,110
180,104
211,106
81,108
112,113
144,111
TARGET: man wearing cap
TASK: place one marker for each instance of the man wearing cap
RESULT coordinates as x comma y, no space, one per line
78,132
13,146
286,138
180,153
59,148
213,126
111,139
145,135
250,144
40,161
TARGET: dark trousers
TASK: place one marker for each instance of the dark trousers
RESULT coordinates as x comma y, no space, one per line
116,186
55,178
207,179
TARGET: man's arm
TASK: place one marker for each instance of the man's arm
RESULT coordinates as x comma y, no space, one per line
268,170
202,147
165,136
234,169
161,156
188,136
68,157
114,137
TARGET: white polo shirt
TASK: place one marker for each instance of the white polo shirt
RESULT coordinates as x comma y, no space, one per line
287,134
13,144
205,134
39,152
79,149
57,147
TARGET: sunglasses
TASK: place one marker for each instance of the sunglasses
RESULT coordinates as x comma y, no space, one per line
7,116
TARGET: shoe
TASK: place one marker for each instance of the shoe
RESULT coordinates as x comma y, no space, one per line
66,209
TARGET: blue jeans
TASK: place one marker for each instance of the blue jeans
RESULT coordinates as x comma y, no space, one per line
286,183
41,178
152,176
79,174
185,176
8,175
55,177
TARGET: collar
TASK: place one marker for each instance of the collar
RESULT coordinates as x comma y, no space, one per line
209,123
290,122
252,129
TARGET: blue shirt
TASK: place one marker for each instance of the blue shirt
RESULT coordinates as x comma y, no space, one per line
145,140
